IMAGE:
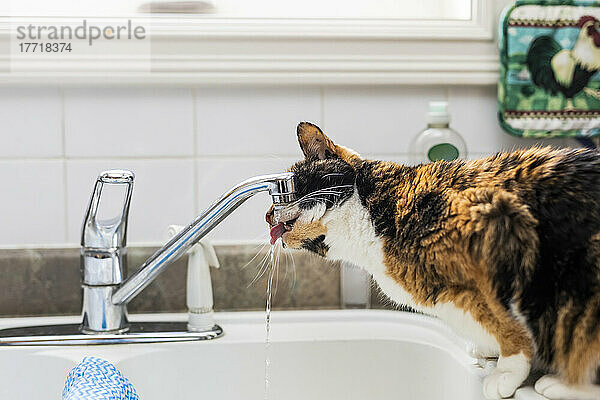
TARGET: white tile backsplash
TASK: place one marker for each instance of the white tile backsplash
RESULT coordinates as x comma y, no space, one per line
163,194
217,177
253,121
30,123
32,207
183,167
129,122
377,120
475,117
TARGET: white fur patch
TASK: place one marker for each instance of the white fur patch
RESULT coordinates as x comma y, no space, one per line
313,214
553,388
351,237
350,234
516,313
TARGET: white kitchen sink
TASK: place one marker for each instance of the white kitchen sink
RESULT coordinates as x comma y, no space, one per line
348,354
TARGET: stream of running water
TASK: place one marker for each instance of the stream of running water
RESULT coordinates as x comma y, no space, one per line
271,270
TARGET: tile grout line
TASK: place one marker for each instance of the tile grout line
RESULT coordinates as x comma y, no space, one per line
195,176
64,162
223,157
322,107
98,158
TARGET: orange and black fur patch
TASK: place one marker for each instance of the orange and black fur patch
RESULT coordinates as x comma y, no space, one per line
514,233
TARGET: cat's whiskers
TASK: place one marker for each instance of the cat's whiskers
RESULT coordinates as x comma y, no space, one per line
260,248
318,196
332,189
317,199
332,174
329,191
286,264
290,253
329,196
278,248
261,271
262,266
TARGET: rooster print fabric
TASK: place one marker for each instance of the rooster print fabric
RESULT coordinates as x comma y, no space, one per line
550,69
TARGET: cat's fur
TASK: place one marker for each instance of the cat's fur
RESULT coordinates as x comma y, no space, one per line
506,249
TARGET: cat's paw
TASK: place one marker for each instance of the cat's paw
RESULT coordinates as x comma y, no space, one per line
509,374
553,388
501,384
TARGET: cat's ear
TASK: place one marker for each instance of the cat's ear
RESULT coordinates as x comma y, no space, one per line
315,144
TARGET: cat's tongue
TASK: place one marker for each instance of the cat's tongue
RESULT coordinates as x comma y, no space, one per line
276,232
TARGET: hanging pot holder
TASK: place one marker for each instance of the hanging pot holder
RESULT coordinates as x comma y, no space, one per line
549,73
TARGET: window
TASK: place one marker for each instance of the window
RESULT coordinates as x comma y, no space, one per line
274,42
359,9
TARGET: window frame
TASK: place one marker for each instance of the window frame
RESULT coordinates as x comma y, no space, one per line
191,51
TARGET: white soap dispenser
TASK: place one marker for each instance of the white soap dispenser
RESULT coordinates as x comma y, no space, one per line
199,295
438,141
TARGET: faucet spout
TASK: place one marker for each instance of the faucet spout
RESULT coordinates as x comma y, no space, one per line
280,187
105,292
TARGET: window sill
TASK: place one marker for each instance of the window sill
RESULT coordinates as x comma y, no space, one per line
184,51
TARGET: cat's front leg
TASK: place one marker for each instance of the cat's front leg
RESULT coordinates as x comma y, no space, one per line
516,348
509,374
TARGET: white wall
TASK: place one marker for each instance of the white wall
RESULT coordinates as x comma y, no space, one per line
187,146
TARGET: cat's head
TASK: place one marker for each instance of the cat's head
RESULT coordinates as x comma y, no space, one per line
324,181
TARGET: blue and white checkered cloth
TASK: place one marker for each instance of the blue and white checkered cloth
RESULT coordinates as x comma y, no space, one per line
97,379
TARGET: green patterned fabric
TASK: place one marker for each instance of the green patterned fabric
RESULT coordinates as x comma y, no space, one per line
549,68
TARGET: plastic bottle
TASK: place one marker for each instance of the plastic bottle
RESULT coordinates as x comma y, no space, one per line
438,141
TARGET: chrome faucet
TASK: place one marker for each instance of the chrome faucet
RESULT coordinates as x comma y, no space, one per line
106,292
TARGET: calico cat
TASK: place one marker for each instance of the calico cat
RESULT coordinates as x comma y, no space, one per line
505,249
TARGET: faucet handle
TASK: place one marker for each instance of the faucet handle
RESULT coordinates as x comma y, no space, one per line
107,233
104,252
117,176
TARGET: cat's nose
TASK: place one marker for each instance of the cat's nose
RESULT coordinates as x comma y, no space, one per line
270,216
